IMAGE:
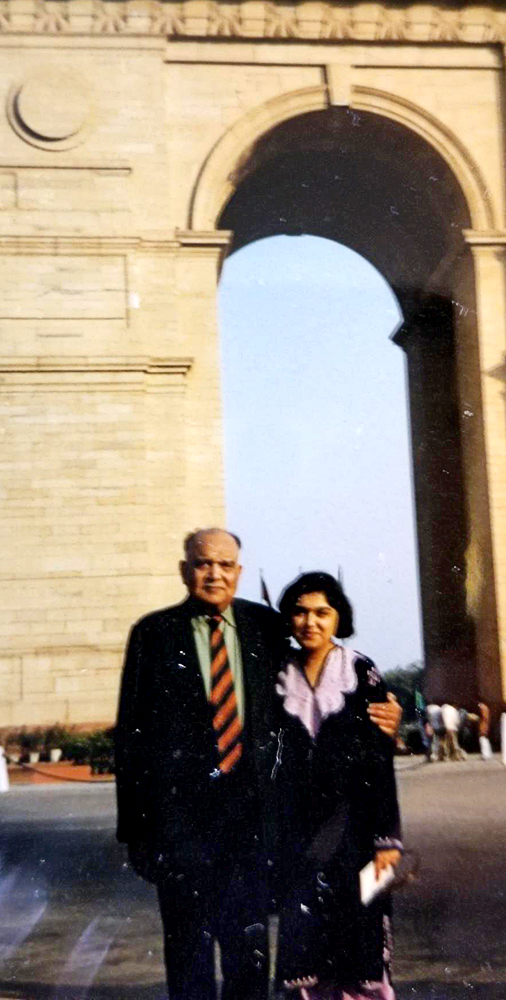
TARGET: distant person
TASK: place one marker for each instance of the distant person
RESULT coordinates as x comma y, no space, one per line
467,729
424,727
435,720
427,740
484,730
195,748
337,804
452,722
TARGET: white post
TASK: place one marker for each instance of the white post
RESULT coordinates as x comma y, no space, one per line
4,776
503,738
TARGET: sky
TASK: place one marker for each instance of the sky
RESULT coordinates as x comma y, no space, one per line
317,452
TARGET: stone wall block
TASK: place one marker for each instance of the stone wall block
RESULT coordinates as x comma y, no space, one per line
38,712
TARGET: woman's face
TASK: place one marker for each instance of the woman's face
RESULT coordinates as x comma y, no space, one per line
314,621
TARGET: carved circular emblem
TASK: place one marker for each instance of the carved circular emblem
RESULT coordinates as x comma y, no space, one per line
51,109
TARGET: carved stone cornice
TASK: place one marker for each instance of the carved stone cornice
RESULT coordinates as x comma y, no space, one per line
214,239
469,23
479,238
58,365
86,245
486,245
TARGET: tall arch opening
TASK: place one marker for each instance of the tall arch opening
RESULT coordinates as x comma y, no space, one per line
314,478
375,186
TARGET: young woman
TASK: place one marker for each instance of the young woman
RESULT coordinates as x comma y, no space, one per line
337,805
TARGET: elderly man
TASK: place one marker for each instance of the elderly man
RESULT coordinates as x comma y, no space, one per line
196,743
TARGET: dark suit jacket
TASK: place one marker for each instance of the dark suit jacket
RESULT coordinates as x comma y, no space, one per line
165,741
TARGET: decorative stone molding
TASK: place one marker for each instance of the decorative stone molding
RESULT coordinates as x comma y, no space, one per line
52,109
485,238
221,172
212,239
142,365
339,84
61,374
212,243
443,140
470,23
84,245
486,244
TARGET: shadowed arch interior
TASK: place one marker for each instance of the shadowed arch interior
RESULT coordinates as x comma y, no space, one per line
379,188
358,178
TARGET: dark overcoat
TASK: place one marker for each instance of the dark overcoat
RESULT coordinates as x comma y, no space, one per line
337,804
166,756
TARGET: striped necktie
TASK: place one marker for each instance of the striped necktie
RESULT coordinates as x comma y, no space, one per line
226,722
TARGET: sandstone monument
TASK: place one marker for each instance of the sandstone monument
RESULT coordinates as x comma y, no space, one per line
142,140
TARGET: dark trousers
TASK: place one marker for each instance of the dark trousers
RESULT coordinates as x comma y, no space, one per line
224,899
228,902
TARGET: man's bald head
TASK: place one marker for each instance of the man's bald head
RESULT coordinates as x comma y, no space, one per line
194,537
211,568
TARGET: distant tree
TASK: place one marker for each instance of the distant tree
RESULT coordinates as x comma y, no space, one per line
404,682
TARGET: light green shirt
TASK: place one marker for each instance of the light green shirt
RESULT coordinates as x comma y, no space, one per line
200,626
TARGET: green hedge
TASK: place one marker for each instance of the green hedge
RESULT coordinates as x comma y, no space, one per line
95,749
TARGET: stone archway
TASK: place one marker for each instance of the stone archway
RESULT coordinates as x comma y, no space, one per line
369,182
112,187
222,169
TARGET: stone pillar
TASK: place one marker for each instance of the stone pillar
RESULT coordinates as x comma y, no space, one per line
489,260
428,340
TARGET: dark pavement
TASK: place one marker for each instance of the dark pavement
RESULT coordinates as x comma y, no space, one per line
76,924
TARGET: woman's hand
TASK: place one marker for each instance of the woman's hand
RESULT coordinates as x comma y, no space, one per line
383,859
386,715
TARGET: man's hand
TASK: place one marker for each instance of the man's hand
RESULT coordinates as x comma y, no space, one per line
386,714
383,859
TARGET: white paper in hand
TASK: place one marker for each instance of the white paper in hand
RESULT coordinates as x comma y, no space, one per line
370,885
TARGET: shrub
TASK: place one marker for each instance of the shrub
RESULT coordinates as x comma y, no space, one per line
54,736
102,751
95,749
76,747
404,682
30,739
12,739
12,745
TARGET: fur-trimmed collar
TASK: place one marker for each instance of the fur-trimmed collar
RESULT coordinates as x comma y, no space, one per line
337,679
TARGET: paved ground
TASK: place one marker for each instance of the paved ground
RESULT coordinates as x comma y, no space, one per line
75,924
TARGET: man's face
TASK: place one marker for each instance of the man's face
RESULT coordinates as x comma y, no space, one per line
212,571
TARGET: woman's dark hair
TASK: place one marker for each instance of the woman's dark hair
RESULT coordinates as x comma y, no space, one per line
319,583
